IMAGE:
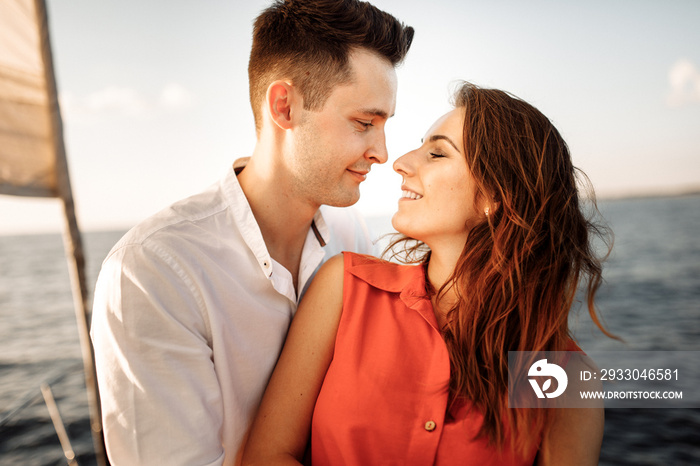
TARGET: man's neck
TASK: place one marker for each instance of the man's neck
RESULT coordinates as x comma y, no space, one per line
283,219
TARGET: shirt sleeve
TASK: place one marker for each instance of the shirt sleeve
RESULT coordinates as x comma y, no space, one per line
349,231
365,239
161,401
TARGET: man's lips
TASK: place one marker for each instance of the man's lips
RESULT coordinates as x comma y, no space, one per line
359,173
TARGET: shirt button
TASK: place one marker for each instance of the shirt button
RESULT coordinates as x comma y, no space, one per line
430,426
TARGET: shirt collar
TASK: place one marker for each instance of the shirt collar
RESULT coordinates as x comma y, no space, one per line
244,218
320,229
239,164
389,276
407,280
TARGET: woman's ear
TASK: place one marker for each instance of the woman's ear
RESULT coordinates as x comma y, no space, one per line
492,207
279,100
486,204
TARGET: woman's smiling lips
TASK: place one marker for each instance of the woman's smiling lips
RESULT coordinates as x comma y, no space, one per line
407,194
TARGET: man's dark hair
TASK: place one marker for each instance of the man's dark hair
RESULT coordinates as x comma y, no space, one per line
309,42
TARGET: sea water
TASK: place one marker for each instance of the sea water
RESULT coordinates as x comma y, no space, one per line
650,298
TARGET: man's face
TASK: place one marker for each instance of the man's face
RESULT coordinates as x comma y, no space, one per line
335,147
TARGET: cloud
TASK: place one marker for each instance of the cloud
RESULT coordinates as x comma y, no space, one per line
117,99
125,101
110,100
684,79
175,96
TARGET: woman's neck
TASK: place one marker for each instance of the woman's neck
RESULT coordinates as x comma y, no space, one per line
440,268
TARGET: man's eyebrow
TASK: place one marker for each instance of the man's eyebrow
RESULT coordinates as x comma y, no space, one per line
376,112
438,137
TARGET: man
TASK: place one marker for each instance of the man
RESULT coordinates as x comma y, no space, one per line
192,306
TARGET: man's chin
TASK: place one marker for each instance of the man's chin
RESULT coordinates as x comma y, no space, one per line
345,200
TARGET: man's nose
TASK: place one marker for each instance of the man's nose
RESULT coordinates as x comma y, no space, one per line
377,152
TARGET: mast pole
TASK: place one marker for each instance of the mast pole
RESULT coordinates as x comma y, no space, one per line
72,240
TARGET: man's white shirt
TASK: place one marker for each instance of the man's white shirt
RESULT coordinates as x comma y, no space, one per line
189,318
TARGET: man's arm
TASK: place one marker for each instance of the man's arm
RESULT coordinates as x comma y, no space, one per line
161,400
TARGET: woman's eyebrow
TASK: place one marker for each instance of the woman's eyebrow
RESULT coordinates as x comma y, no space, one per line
437,137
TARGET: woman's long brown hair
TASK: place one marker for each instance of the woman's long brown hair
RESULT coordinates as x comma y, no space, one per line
522,264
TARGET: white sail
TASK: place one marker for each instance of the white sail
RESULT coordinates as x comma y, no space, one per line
28,151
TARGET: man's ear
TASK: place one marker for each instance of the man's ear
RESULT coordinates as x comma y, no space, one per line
279,99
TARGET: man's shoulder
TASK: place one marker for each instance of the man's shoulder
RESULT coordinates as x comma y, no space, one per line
194,219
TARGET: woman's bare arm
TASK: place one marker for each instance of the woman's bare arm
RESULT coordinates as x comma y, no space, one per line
280,432
575,435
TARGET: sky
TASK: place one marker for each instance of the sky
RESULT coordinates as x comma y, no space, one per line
154,95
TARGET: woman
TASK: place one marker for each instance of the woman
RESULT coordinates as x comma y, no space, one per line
407,364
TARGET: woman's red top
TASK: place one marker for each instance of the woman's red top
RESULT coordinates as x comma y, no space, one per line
384,398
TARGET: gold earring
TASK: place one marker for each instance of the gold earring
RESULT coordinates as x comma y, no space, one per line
486,211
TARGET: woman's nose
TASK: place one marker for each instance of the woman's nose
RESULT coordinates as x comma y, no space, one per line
403,164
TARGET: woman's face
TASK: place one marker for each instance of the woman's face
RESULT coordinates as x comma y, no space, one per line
438,191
